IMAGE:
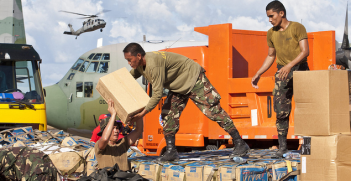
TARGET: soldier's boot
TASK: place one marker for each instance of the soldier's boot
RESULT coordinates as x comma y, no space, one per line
283,145
171,153
241,148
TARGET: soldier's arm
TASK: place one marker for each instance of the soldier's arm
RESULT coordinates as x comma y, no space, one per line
266,65
305,51
158,77
135,134
283,72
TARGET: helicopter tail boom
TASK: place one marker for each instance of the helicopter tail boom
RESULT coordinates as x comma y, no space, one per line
67,33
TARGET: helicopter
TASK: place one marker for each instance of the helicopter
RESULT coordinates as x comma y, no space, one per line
91,24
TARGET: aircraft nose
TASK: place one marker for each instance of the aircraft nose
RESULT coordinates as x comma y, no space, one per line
56,107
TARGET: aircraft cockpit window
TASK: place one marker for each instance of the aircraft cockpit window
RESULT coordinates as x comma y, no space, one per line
77,64
97,56
106,56
84,66
79,89
103,67
91,56
88,89
70,77
92,67
20,82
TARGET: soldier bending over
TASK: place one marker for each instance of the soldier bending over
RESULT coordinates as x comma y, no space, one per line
185,79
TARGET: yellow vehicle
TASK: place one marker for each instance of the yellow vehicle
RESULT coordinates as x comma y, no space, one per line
22,101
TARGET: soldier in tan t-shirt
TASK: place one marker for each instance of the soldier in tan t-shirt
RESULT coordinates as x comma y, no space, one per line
287,41
109,150
185,79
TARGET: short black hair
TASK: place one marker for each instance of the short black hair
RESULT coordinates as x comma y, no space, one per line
276,6
134,49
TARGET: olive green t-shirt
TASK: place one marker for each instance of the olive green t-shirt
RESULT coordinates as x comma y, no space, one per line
167,70
113,154
286,43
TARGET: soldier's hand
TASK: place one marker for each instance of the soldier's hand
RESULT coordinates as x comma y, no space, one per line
284,72
138,116
255,80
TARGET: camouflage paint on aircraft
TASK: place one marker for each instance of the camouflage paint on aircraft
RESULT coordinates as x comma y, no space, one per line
11,22
74,104
90,111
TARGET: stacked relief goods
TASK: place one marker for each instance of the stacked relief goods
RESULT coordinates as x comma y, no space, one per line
322,117
216,166
70,157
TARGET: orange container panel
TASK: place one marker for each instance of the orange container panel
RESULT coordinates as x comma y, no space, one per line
193,126
231,59
252,109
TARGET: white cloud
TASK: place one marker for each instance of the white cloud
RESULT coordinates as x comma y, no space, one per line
185,27
124,31
30,40
249,23
56,76
158,20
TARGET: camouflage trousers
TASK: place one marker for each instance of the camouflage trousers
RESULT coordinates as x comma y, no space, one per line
282,95
205,97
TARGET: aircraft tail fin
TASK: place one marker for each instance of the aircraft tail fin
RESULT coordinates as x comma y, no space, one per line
70,27
13,30
67,33
345,41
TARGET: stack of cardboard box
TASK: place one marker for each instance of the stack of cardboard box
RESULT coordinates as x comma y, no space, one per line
322,117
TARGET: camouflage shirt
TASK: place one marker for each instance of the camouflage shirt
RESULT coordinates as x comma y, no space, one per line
167,70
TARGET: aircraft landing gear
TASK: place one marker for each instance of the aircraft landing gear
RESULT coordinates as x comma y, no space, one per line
100,30
76,37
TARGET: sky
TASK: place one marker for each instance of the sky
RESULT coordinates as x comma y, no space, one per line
129,20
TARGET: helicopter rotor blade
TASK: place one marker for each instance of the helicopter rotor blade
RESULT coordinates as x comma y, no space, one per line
103,11
75,13
85,17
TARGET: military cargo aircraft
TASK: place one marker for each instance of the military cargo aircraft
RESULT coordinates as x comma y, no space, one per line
73,104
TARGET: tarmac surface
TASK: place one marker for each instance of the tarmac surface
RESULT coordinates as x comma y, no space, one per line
52,129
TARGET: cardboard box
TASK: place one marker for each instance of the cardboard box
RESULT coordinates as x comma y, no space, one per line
66,161
175,173
90,158
226,172
69,141
129,97
164,175
200,171
329,159
280,168
321,102
150,170
194,172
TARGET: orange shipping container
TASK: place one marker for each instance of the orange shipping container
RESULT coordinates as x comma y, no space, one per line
231,58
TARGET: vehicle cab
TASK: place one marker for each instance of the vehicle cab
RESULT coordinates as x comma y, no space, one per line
22,101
